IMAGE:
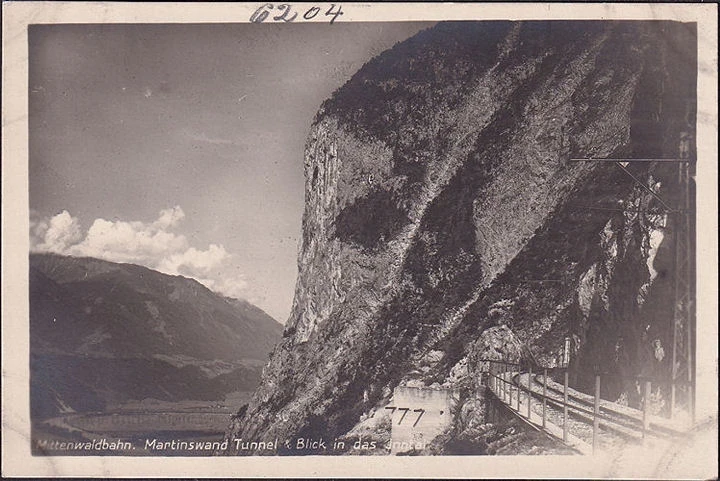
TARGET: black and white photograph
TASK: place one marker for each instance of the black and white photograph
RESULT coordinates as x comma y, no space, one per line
303,233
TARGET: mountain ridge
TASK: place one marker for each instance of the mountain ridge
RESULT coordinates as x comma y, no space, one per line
149,333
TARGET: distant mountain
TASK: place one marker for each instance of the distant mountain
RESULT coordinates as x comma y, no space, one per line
102,333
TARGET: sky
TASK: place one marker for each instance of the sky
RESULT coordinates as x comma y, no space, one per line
180,147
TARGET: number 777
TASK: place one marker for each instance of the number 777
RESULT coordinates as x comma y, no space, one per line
405,411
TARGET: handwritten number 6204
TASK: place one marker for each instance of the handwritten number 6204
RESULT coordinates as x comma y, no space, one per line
262,13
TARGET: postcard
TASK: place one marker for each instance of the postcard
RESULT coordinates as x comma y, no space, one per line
347,239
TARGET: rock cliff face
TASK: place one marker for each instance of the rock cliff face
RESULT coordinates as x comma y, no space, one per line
445,222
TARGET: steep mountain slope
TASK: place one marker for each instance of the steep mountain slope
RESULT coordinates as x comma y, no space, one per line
103,332
445,222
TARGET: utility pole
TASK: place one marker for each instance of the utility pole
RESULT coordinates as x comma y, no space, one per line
682,369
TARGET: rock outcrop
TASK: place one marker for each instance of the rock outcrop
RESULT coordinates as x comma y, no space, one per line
446,222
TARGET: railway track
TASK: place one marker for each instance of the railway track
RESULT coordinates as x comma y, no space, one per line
578,419
623,416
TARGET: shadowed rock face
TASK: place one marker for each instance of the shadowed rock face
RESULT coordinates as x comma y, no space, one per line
441,204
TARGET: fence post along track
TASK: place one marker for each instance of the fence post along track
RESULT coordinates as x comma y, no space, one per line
508,387
502,383
582,421
596,413
529,393
646,407
565,406
544,399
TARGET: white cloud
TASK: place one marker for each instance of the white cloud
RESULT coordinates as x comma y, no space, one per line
55,234
170,217
194,260
228,286
134,242
149,244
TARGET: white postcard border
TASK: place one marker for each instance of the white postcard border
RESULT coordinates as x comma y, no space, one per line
16,458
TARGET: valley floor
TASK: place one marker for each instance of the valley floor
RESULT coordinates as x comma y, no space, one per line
138,428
